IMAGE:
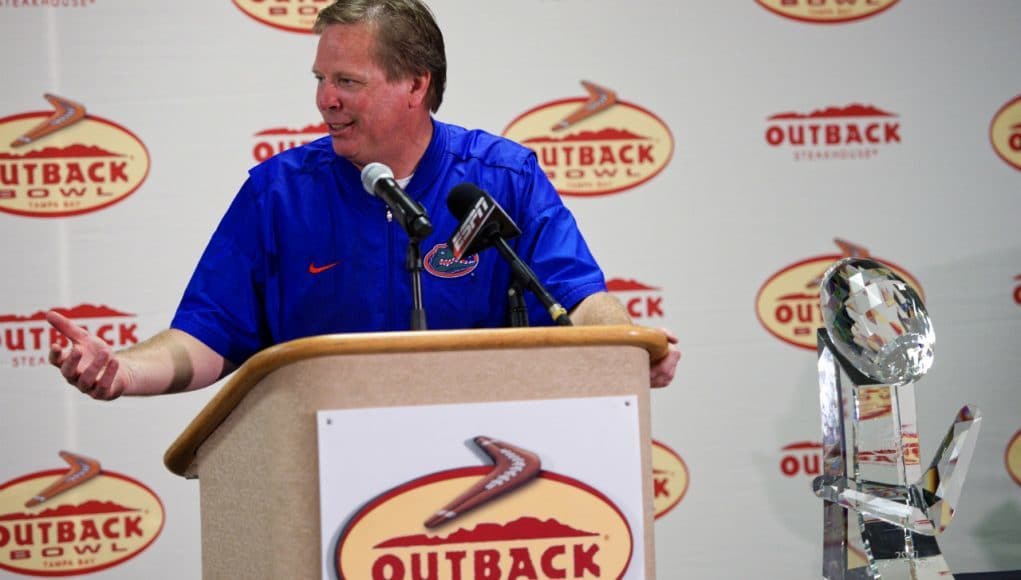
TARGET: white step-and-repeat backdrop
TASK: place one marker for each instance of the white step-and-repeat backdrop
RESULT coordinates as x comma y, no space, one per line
748,145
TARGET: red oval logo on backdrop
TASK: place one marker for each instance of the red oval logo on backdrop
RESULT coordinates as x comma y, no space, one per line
270,142
1012,457
79,520
63,162
1005,133
291,15
552,527
669,478
787,305
594,146
826,11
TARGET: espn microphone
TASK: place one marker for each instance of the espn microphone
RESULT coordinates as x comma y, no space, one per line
378,180
484,224
482,221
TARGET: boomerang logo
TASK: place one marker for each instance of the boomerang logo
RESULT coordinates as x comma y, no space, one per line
847,250
65,113
600,99
512,468
81,470
595,145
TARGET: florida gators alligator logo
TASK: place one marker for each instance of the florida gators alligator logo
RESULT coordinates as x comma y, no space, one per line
440,262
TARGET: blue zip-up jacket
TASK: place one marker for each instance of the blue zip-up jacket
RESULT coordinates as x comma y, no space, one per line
303,250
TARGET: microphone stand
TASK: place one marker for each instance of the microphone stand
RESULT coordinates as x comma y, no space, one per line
527,278
414,267
516,304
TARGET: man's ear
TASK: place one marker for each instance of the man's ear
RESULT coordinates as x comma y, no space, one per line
419,89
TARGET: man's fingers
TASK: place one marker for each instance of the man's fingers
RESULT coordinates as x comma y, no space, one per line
662,373
91,373
106,386
670,336
98,376
56,355
69,368
66,327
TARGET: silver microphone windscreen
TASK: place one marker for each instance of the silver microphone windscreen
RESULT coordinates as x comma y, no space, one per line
372,173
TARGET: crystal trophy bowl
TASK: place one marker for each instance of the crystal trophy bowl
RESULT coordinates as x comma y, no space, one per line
876,321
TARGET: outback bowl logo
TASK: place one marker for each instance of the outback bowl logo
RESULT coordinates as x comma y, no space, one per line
641,300
787,305
669,478
63,162
594,146
67,522
27,339
277,140
1013,457
801,459
551,526
826,11
1005,133
292,15
851,132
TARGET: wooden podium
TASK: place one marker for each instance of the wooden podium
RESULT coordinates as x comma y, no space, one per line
254,445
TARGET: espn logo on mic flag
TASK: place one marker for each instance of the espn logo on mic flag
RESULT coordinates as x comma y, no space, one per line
471,226
483,222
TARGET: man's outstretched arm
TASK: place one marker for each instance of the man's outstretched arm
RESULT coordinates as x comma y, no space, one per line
169,362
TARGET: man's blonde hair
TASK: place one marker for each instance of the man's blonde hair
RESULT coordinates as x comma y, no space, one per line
408,40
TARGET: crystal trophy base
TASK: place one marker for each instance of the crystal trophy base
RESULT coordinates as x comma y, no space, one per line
881,510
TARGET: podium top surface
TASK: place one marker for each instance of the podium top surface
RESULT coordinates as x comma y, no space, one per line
181,453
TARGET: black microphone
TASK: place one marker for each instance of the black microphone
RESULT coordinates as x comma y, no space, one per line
483,223
481,219
378,180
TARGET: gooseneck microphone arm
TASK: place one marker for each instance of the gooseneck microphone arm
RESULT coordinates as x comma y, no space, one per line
378,180
527,278
483,223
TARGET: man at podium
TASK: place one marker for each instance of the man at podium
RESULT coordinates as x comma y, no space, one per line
304,250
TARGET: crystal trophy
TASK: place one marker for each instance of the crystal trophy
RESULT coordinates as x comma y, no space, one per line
881,511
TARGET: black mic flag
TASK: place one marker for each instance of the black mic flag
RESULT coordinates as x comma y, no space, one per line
483,223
